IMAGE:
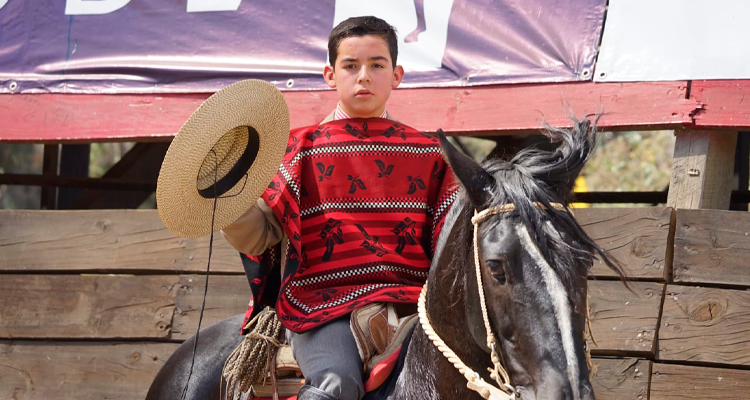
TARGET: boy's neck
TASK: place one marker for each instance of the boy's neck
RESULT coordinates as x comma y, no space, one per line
339,113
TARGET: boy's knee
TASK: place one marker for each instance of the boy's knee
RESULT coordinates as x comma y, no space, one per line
312,393
341,384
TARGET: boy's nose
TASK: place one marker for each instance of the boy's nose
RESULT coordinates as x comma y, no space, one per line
363,75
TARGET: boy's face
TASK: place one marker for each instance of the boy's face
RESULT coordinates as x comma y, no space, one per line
363,75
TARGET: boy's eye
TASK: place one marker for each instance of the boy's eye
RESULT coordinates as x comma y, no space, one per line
350,66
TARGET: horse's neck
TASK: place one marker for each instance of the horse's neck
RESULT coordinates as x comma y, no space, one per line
427,373
447,297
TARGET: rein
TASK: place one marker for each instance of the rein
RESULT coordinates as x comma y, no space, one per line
504,390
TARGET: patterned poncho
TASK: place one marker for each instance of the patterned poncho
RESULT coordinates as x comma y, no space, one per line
362,202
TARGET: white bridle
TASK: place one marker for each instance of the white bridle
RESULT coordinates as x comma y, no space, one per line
504,390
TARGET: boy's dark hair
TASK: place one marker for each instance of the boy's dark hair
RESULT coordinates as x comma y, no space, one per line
361,26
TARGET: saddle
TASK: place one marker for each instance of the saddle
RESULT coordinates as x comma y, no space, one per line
379,330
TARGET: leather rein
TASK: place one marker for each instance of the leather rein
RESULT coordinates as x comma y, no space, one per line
503,390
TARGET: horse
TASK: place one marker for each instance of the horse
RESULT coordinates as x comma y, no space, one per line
524,312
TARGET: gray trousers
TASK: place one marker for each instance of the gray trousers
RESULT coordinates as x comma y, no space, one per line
330,361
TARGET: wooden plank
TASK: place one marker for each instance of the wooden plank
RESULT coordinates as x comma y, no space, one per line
725,103
70,306
104,240
705,325
86,370
621,378
476,110
637,237
227,296
32,370
682,382
702,170
712,246
623,322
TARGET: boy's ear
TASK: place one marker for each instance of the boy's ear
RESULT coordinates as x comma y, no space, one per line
398,76
330,76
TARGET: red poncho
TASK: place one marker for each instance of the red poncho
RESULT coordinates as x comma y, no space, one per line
362,202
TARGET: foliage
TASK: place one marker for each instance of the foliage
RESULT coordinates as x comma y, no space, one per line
631,162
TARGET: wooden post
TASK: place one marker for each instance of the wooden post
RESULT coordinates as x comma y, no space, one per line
702,170
50,169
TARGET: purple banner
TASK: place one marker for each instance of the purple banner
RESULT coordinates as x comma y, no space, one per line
192,46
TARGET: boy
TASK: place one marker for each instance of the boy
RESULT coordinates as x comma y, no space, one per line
359,201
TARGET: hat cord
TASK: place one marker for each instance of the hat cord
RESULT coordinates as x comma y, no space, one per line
226,196
208,268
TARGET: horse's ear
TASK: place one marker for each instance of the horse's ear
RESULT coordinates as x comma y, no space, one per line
477,182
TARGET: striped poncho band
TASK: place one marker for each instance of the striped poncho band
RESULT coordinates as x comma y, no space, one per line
362,202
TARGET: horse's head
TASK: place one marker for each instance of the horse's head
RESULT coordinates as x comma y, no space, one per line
534,259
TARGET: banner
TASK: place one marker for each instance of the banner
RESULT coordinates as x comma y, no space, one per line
667,40
192,46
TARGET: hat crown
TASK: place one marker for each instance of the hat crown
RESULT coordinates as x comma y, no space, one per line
222,157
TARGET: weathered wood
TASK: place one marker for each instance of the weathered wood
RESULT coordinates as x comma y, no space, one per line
712,246
466,110
104,241
702,170
227,296
724,103
682,382
33,370
72,306
621,378
705,325
624,323
637,237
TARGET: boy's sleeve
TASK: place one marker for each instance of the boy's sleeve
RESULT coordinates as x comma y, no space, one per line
255,231
264,279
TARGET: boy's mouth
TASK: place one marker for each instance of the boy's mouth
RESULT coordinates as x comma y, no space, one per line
363,93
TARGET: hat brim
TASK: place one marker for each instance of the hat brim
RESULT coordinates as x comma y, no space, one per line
254,103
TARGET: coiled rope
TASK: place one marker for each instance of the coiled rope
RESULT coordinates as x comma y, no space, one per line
250,362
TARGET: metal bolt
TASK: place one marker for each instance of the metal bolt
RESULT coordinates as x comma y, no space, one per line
693,172
13,86
290,83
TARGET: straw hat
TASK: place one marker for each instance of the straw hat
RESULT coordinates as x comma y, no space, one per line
230,148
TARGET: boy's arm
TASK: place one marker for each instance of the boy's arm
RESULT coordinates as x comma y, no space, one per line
255,231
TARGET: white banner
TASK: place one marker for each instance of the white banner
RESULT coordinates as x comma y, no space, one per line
663,40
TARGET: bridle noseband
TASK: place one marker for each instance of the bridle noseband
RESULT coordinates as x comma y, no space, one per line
504,390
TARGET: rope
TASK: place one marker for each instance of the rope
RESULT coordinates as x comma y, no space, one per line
475,382
497,373
482,215
250,362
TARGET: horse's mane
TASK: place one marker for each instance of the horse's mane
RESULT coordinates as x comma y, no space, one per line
543,176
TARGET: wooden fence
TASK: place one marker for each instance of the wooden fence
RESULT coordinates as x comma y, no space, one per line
93,302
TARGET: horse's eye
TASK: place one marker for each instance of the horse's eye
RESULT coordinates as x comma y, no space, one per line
497,268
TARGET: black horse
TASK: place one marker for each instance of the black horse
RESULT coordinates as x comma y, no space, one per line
534,259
